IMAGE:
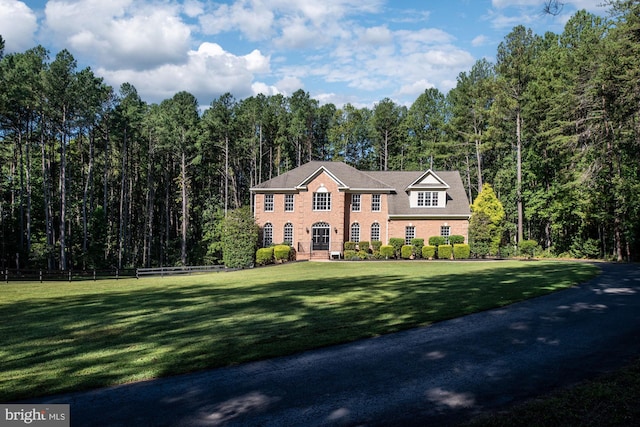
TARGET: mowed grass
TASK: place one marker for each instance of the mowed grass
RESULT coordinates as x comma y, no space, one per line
59,337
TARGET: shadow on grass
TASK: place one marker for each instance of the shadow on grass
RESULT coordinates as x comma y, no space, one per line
93,340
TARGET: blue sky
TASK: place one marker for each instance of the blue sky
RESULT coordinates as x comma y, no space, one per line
340,51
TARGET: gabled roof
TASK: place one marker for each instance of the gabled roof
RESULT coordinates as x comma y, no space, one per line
398,184
348,178
428,181
399,205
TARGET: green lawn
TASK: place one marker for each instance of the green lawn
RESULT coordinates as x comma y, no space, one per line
62,336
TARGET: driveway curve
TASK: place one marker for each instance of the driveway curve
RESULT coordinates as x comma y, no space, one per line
437,375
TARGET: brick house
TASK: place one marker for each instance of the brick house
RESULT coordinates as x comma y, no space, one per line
320,205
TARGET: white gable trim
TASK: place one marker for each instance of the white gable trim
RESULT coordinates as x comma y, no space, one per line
303,185
428,180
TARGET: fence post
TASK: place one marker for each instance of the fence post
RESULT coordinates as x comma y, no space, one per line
94,274
6,275
40,275
117,274
69,276
137,273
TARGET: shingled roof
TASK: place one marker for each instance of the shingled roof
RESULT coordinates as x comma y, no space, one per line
348,178
395,183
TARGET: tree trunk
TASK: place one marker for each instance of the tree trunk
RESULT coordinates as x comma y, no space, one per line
519,174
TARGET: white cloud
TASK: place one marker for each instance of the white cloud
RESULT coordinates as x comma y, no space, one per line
120,33
18,25
208,73
480,40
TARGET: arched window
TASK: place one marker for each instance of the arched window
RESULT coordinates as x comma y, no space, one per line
355,232
267,234
288,233
375,232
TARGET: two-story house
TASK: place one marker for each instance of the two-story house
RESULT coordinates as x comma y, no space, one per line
320,205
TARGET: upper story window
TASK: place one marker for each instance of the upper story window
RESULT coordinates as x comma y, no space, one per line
288,202
268,202
322,200
427,198
375,202
355,203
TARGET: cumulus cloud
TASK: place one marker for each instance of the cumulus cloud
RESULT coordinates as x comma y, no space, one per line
208,72
18,24
120,33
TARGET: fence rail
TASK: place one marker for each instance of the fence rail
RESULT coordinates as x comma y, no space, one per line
15,275
169,271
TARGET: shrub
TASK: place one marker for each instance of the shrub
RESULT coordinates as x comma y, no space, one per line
417,243
375,245
406,251
281,252
397,244
387,251
349,246
461,251
456,239
363,254
264,256
428,252
239,239
377,255
363,246
436,240
528,248
350,254
445,251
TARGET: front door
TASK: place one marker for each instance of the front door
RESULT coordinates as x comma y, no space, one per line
321,236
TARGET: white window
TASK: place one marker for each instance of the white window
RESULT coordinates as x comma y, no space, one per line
375,231
288,202
288,233
375,203
445,231
355,232
321,201
355,203
427,198
268,202
267,234
409,233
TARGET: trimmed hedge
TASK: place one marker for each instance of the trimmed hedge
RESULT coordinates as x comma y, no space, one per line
407,251
281,252
350,254
397,244
456,239
387,251
461,251
428,252
349,246
363,246
264,256
445,251
436,241
375,245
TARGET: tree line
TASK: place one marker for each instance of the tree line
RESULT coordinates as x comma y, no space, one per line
95,177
